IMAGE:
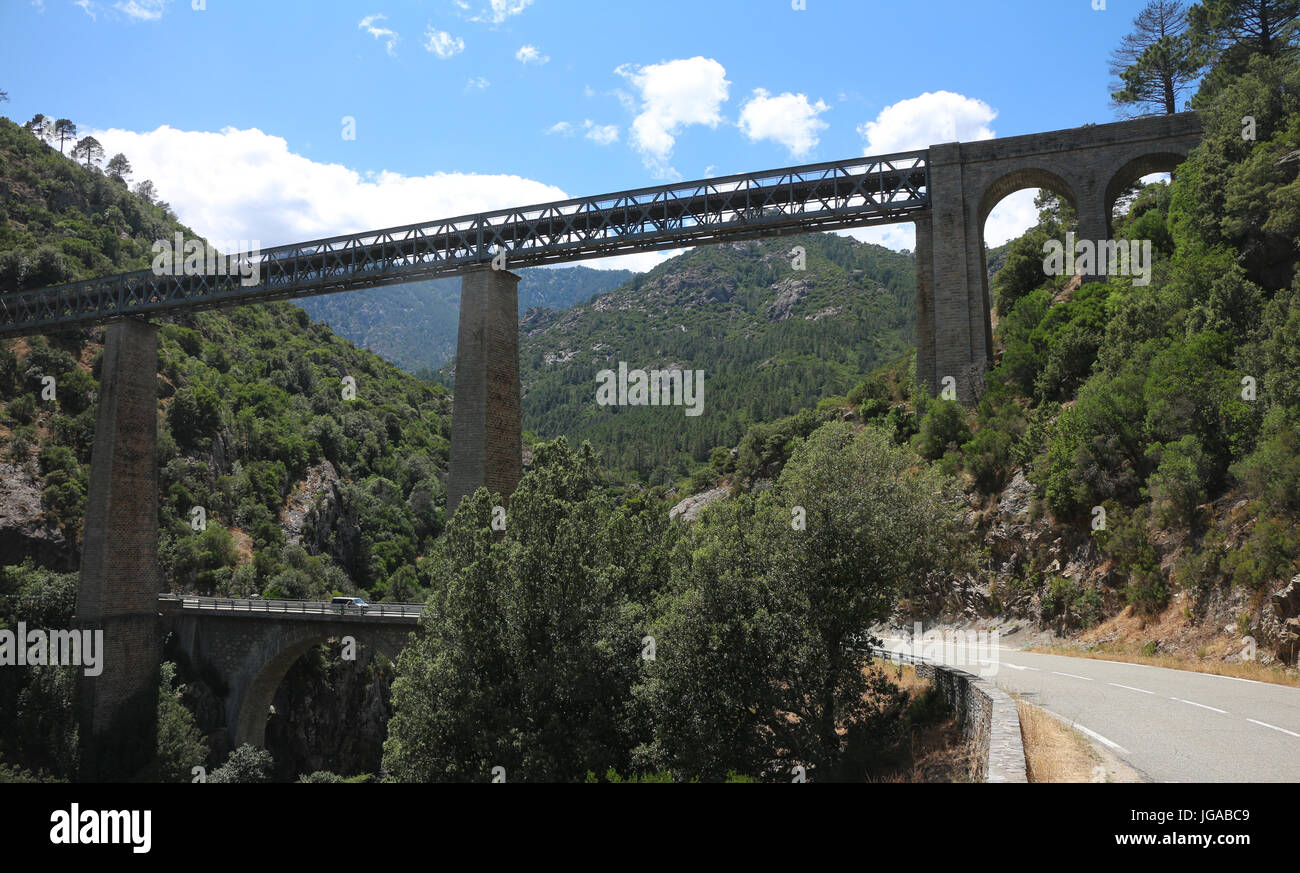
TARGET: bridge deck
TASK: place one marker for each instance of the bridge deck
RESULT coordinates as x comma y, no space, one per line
836,194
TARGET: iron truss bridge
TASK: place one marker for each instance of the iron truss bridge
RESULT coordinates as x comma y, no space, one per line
836,194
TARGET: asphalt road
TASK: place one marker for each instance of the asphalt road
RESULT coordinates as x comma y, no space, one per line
1169,725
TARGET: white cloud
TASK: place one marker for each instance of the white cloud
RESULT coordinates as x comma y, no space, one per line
86,7
891,236
140,10
442,43
674,94
497,11
932,118
788,119
246,184
920,122
638,262
478,83
1014,215
601,134
390,37
528,54
563,128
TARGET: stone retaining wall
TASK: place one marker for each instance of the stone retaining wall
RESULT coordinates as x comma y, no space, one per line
989,719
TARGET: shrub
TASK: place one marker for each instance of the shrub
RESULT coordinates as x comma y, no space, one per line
944,425
1178,485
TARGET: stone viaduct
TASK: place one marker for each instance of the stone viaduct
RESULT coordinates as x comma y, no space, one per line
948,191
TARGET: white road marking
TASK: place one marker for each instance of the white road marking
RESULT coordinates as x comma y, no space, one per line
1201,705
1130,688
1273,726
1239,679
1072,676
1099,738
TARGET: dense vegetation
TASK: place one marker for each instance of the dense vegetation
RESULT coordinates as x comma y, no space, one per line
595,635
1151,409
769,338
251,400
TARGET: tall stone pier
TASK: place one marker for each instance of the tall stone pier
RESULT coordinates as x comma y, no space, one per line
118,589
486,442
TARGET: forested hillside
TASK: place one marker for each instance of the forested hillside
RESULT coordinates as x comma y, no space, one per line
769,337
304,492
414,325
251,404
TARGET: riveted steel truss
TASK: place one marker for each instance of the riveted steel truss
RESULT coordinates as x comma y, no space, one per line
836,194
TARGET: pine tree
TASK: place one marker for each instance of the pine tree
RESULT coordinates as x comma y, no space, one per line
1154,64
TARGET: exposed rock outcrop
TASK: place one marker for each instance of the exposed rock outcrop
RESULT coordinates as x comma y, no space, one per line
690,508
1280,621
25,532
788,294
321,479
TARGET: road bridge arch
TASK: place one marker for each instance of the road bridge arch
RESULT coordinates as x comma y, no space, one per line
252,647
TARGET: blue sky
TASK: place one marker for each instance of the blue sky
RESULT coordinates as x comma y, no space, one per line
238,111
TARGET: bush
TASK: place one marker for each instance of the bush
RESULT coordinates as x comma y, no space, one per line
1178,485
247,764
321,776
1126,541
1272,471
1269,554
944,425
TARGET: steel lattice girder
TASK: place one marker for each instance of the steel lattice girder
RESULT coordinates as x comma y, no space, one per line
836,194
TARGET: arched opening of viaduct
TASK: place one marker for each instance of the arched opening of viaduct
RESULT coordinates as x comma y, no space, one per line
1089,167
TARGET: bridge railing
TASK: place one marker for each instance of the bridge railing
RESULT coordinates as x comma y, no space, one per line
301,607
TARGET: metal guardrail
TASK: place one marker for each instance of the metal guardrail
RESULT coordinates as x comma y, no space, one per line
836,194
299,607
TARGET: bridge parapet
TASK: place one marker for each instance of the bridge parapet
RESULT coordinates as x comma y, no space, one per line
290,610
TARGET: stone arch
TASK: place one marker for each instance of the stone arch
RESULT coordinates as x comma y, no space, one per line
994,193
1019,180
1142,165
250,722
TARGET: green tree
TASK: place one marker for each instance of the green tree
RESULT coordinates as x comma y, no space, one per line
1266,27
65,130
721,646
874,529
1155,64
528,659
118,167
89,150
944,425
180,746
194,416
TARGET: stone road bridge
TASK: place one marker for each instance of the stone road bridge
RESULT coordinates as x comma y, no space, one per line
251,644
